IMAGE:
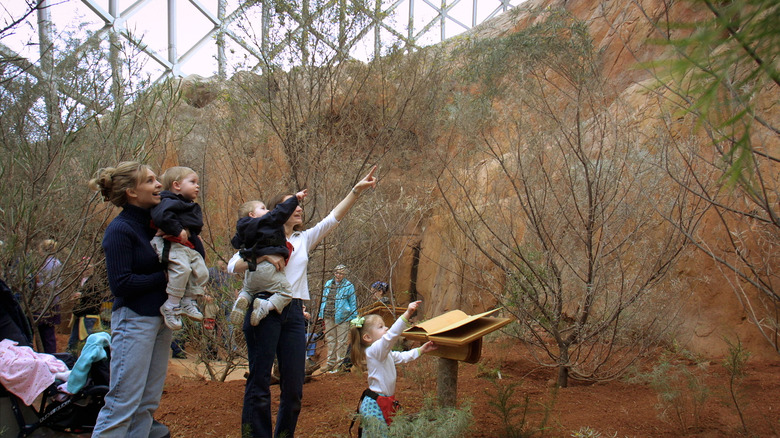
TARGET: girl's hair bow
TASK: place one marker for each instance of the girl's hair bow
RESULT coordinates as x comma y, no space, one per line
358,322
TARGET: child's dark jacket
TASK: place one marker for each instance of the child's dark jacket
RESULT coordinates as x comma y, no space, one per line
175,213
259,236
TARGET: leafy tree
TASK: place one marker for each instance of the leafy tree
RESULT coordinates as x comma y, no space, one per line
722,76
322,127
57,128
564,199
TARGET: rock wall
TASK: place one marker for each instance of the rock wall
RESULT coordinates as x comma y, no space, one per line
621,30
437,265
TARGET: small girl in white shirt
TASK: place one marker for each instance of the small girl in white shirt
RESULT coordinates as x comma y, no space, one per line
372,343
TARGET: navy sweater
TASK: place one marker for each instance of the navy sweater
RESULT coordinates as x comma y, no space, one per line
135,274
174,213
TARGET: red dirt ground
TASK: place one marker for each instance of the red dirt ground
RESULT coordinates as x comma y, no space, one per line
194,407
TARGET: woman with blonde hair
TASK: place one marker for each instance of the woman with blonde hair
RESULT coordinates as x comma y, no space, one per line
140,341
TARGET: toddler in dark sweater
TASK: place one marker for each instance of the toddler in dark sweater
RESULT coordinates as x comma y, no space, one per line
179,220
261,232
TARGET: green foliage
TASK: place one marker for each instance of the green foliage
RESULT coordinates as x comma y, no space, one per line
432,421
325,127
722,63
520,417
721,73
588,432
568,196
735,363
54,136
680,386
557,40
526,286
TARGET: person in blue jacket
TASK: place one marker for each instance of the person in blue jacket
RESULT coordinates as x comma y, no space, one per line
338,307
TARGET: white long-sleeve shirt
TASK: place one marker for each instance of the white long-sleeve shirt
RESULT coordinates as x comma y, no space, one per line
381,360
297,269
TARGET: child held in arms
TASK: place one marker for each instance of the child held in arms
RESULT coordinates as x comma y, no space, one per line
261,232
179,221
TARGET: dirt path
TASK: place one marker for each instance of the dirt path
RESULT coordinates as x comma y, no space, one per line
194,407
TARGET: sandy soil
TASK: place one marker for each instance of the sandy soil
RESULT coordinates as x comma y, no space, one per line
195,407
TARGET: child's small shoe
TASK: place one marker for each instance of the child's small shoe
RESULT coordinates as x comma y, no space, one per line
171,316
260,310
239,310
189,308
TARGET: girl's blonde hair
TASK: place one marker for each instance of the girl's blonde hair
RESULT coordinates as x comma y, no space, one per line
358,351
176,173
113,182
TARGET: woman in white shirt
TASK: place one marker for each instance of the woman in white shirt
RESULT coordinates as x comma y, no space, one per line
283,336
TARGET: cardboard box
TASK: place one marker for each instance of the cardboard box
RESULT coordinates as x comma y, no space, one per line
458,335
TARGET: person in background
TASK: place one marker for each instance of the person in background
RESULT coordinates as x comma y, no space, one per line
379,292
338,306
177,345
214,304
222,287
14,325
219,278
140,339
47,282
89,298
313,334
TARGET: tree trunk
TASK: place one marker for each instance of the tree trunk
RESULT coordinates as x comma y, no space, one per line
563,368
447,382
415,267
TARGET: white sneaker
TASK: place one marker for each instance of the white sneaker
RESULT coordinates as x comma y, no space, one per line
239,310
260,308
189,308
171,317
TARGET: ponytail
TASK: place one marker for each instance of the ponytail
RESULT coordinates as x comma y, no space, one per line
358,350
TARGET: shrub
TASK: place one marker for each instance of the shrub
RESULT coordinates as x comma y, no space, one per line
516,415
681,390
432,422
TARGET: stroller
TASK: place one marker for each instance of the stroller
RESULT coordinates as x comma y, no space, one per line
58,411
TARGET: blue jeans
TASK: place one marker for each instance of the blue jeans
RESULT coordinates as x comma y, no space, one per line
281,336
139,362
